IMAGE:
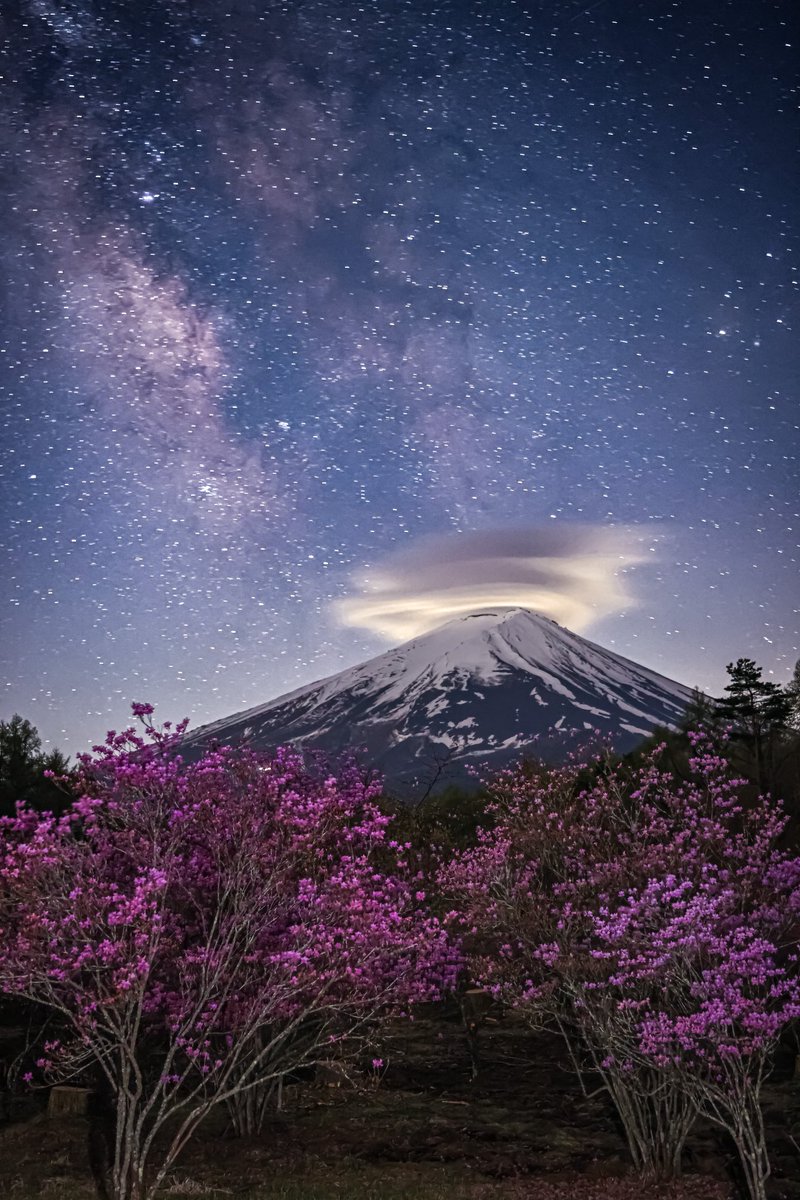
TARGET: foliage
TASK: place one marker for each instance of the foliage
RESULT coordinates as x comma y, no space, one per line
655,921
793,692
445,819
202,928
758,713
25,771
753,704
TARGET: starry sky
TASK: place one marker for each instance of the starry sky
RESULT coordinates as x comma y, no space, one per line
293,289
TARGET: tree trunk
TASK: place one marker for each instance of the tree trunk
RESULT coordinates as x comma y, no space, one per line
248,1109
656,1117
751,1144
127,1172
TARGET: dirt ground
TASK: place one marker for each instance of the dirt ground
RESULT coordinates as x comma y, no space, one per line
424,1130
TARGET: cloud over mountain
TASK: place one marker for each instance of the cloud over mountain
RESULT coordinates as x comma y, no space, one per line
570,573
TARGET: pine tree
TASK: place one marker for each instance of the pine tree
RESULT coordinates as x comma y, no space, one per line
793,691
23,766
758,712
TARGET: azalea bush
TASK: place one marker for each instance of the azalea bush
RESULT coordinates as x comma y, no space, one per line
201,928
655,922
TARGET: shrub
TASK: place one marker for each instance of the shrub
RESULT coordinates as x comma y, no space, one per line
201,928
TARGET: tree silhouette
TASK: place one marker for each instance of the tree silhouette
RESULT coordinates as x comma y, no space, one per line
758,712
23,766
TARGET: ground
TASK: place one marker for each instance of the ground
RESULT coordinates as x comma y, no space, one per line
423,1130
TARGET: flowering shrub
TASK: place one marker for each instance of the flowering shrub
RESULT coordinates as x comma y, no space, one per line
656,922
201,928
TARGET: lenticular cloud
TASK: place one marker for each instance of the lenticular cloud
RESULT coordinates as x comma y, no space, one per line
570,573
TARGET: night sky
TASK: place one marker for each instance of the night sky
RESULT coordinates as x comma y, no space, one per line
312,303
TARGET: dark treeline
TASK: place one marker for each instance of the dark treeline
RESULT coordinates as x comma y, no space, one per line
25,770
756,721
759,719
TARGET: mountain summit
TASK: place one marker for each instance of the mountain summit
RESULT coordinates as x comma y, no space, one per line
480,688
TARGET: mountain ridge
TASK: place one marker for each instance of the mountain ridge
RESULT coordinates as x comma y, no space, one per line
481,687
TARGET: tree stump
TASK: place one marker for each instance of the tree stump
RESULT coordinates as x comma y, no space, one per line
68,1101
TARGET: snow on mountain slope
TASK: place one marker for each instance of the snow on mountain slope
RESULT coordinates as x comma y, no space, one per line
482,686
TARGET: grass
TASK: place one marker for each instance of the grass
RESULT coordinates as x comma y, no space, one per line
522,1132
429,1182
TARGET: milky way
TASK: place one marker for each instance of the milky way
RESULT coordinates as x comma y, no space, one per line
294,285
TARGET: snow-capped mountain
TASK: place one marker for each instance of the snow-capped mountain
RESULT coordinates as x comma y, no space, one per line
481,687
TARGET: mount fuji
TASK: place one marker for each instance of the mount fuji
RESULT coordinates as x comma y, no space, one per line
478,690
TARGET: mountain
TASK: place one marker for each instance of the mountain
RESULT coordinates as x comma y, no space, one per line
477,690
